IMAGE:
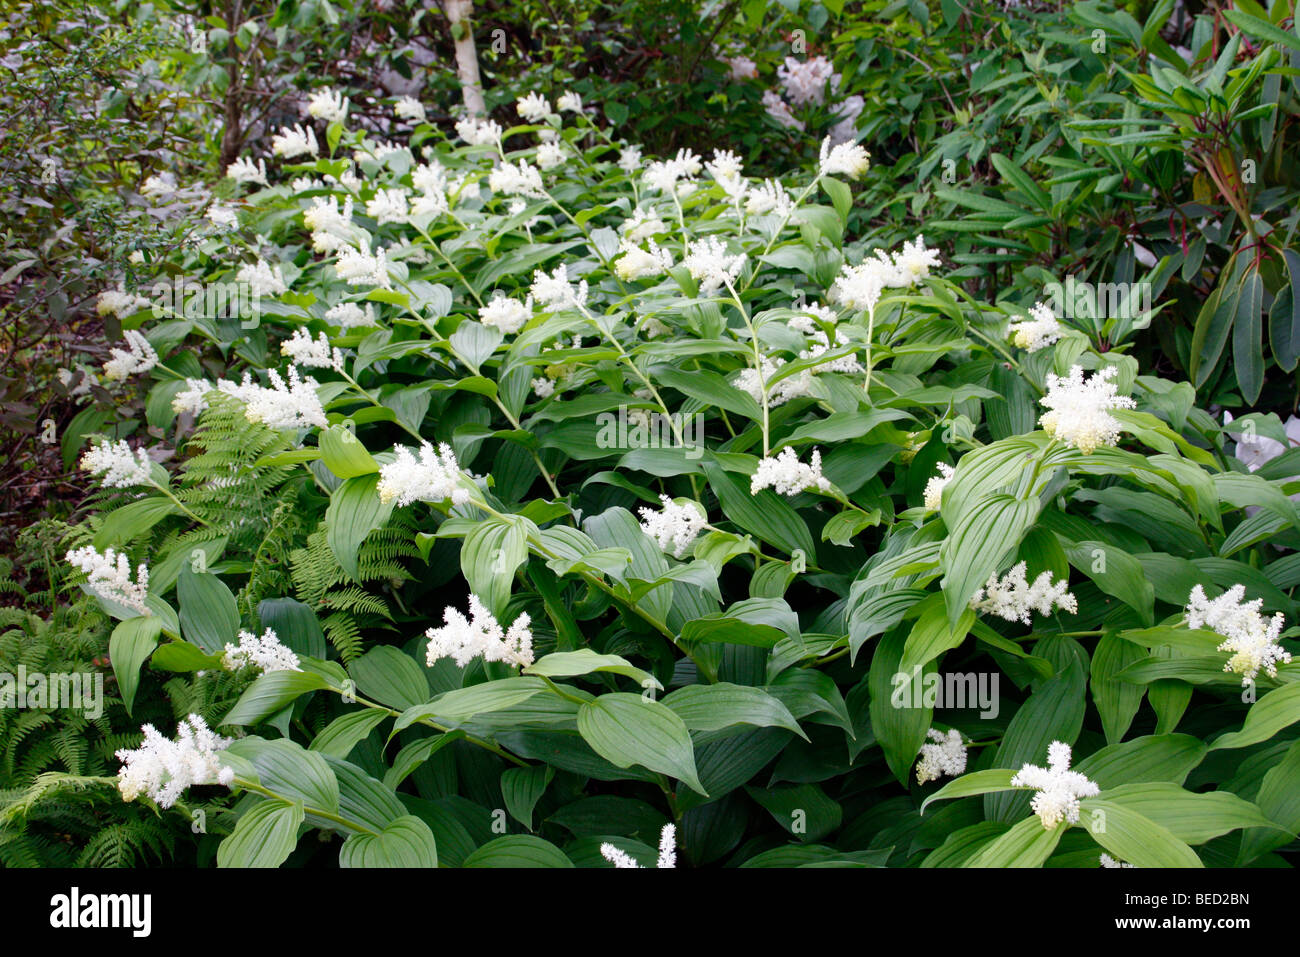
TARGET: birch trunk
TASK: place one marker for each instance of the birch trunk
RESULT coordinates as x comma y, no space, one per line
459,12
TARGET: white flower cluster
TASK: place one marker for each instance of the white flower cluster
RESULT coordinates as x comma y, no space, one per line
331,229
768,197
555,290
292,405
779,393
523,179
673,175
805,82
667,851
464,640
477,132
349,315
1039,331
312,353
708,261
551,154
162,769
629,159
638,263
1251,637
1108,861
934,488
860,287
433,477
846,364
295,141
118,466
358,267
389,206
641,225
119,302
193,399
1079,413
1059,788
504,313
534,108
1013,598
221,215
947,755
162,184
779,110
844,159
245,171
329,105
138,357
109,576
787,475
265,653
675,526
409,108
262,278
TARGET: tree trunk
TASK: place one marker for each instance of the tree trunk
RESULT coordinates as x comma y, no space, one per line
459,13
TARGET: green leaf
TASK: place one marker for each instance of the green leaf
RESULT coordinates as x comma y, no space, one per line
208,614
132,642
976,546
391,677
899,725
522,788
183,657
406,842
722,704
805,810
295,625
518,850
491,554
972,783
1117,701
463,703
1132,837
264,836
270,693
132,520
1267,716
932,635
1027,844
353,513
767,515
346,731
625,730
290,770
344,455
567,664
1191,817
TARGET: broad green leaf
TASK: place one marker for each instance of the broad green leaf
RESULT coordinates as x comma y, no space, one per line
406,842
626,729
264,836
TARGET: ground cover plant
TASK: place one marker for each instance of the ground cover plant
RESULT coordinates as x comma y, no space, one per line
500,492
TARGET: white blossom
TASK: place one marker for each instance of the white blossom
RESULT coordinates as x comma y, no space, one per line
805,82
551,155
779,393
665,175
358,267
409,108
675,526
934,488
1079,413
642,225
477,132
262,278
741,68
569,102
947,755
138,357
222,215
1039,331
534,107
638,263
779,110
389,206
787,475
329,105
331,229
295,141
523,179
464,640
1012,598
708,261
508,315
543,387
244,171
846,159
161,184
117,465
1250,636
914,262
667,851
193,398
119,302
162,769
312,353
349,315
556,291
629,159
434,477
265,653
1059,788
768,197
294,405
1108,861
109,576
725,165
